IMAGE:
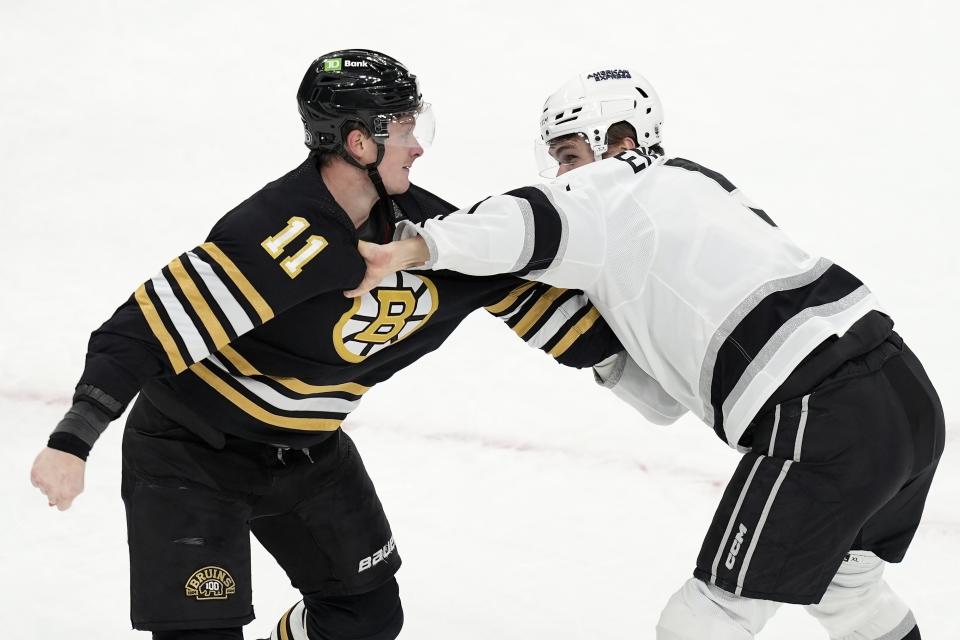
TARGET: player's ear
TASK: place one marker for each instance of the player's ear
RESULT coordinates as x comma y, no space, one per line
356,143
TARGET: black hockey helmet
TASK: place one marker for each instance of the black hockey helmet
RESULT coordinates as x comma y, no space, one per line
352,86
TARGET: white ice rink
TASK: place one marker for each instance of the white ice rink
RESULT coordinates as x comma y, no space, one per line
526,503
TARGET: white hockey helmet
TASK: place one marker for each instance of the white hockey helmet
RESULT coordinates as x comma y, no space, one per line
590,102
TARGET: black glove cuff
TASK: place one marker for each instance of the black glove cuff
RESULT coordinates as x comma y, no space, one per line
69,443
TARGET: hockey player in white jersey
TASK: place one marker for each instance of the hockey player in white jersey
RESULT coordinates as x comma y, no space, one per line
786,355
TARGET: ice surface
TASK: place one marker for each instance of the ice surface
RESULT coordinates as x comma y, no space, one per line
525,502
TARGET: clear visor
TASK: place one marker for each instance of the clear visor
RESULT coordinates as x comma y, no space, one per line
409,129
561,155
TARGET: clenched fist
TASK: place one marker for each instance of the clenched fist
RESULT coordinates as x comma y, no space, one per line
59,476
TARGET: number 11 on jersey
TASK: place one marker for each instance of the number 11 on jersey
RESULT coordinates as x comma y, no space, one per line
293,265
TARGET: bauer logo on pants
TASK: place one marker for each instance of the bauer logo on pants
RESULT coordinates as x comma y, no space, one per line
379,556
211,583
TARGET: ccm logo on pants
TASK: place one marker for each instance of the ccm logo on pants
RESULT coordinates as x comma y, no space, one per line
735,547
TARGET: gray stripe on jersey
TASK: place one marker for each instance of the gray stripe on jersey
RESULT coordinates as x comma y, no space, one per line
733,518
557,319
804,406
529,233
275,399
783,333
762,521
182,322
736,316
221,294
776,425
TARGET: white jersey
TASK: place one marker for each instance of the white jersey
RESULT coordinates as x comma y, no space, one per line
710,299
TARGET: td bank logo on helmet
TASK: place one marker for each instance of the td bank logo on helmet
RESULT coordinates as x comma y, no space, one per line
339,64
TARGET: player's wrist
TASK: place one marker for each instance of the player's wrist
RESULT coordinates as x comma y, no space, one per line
412,252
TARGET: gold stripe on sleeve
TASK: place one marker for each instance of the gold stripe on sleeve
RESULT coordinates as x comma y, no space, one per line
294,384
504,304
254,410
307,389
583,325
241,363
199,304
282,625
159,330
259,304
536,312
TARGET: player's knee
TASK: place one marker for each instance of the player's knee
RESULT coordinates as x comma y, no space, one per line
235,633
701,610
375,615
860,604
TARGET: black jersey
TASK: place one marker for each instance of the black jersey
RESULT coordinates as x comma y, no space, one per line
250,334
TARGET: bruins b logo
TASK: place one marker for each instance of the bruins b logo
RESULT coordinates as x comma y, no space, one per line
390,312
210,583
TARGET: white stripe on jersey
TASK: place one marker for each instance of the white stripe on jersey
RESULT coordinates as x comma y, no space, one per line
272,397
557,319
275,399
182,322
520,305
221,294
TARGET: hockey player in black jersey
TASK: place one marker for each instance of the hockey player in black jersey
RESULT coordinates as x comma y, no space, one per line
247,358
787,356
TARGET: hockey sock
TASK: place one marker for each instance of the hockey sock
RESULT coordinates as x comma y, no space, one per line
375,615
914,634
700,610
860,605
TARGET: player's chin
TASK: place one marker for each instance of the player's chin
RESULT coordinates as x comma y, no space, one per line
398,185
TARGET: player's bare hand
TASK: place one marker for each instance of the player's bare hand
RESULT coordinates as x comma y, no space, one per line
59,476
385,259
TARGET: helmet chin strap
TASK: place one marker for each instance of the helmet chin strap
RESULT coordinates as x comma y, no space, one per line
374,174
372,169
598,151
